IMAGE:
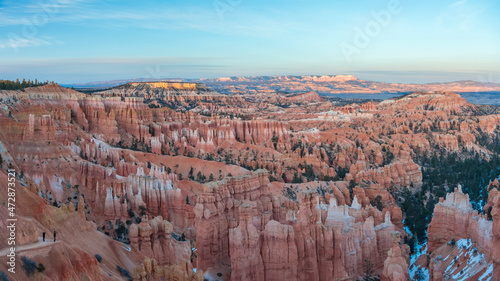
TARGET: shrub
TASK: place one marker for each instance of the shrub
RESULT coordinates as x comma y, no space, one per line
419,275
142,210
98,257
121,232
297,178
130,213
124,272
3,276
378,203
28,265
41,267
452,242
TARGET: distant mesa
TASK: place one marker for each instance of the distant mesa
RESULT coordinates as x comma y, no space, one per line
160,89
436,101
322,84
290,78
337,84
309,96
168,85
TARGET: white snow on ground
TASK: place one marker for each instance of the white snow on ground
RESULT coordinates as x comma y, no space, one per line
464,243
5,154
76,149
474,264
101,143
420,249
209,276
485,275
37,179
57,188
417,270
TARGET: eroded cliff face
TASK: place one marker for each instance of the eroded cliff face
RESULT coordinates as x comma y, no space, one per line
454,219
71,256
151,270
153,238
460,232
494,203
270,237
395,266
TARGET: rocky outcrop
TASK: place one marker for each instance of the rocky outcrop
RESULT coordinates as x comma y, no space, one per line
404,172
494,202
160,89
279,252
439,101
455,219
151,270
345,246
71,263
153,238
246,261
217,210
395,266
458,230
113,196
309,96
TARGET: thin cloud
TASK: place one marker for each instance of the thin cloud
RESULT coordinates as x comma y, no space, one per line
461,14
23,42
160,18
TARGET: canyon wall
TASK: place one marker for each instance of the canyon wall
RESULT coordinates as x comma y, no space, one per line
325,241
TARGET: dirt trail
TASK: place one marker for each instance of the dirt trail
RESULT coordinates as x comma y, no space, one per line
38,245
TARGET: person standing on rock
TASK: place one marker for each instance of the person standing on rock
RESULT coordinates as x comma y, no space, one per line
43,236
54,236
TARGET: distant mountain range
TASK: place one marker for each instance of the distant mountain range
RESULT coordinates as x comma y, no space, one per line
326,84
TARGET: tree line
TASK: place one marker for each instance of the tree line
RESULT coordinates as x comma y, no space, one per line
19,85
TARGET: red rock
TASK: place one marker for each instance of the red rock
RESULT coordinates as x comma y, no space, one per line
279,252
495,213
455,219
395,266
246,261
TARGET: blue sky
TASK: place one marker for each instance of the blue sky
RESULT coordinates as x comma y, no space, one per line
73,41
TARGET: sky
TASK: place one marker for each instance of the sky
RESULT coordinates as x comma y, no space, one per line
407,41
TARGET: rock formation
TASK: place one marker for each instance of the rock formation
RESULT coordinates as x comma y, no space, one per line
150,270
395,266
153,238
458,230
494,202
455,219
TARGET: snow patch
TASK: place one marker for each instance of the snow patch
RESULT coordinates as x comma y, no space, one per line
475,262
487,275
414,270
57,188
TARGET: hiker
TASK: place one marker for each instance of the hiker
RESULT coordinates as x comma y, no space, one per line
43,235
54,236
